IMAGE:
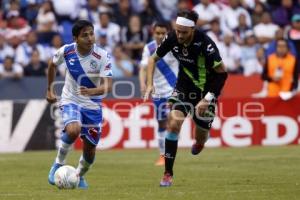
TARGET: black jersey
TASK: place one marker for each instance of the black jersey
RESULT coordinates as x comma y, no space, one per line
196,61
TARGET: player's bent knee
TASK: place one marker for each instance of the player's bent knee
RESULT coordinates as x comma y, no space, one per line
174,126
73,130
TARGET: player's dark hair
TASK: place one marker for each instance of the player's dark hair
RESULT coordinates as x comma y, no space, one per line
161,24
79,25
189,14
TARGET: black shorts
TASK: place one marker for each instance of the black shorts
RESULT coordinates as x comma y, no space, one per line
186,102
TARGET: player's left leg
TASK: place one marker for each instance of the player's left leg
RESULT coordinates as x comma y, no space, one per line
90,133
162,129
85,162
203,125
161,111
201,136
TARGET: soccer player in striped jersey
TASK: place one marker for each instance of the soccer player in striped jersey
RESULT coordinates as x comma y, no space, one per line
88,77
164,80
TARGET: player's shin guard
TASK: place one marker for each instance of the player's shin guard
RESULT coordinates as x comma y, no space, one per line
161,140
171,143
84,165
64,148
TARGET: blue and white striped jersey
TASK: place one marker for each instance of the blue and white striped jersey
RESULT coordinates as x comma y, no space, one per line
166,71
82,71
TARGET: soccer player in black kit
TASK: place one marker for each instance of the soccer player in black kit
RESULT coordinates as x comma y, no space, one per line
200,80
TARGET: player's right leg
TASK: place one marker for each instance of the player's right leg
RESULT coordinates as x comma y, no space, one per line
71,118
175,120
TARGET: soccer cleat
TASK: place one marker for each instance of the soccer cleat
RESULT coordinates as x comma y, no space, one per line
197,148
52,171
160,161
166,180
82,183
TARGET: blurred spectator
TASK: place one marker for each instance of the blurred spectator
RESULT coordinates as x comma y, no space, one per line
67,9
112,30
167,9
10,69
2,22
103,43
261,56
248,4
207,12
231,54
283,14
181,5
257,13
35,67
279,35
5,49
46,23
216,33
265,30
56,43
24,50
123,13
149,14
137,6
17,27
90,11
121,66
230,14
31,12
249,61
134,38
240,31
294,35
280,71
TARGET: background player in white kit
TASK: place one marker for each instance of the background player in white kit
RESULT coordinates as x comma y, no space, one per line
165,76
88,77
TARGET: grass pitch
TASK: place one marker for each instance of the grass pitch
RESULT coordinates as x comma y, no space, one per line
224,173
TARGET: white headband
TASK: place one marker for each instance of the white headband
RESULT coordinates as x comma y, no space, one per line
185,22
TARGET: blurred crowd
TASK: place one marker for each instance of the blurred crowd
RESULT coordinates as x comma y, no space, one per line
253,36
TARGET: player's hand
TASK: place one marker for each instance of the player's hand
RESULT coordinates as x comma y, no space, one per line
202,106
50,96
148,92
84,91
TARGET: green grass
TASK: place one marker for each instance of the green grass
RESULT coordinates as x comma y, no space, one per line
224,173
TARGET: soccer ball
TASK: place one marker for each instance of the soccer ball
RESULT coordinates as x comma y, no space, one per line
66,177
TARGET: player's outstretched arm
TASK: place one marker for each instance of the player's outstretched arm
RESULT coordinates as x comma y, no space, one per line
50,96
150,70
105,87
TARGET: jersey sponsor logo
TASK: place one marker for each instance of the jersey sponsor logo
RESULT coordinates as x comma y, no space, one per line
96,55
186,59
